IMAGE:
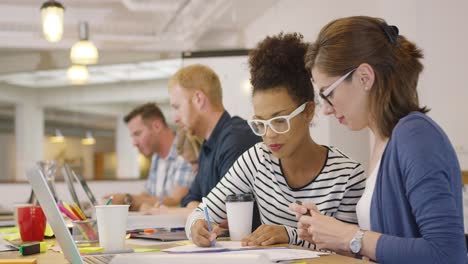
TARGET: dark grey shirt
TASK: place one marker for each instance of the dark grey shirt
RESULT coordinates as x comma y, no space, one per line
230,138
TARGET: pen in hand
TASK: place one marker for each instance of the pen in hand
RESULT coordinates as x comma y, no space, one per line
207,218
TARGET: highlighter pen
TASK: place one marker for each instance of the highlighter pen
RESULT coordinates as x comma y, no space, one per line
308,211
33,248
207,218
109,201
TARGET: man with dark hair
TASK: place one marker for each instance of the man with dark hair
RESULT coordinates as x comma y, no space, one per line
170,176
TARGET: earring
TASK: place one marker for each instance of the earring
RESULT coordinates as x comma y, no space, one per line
366,88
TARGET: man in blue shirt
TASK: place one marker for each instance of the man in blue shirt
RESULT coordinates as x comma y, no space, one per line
170,176
196,97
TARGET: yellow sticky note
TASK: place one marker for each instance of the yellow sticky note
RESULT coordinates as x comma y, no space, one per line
48,231
9,230
90,249
11,237
141,250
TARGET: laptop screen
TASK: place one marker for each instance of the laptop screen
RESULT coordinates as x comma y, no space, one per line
53,215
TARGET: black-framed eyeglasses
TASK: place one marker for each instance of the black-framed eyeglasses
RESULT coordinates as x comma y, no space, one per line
327,92
279,124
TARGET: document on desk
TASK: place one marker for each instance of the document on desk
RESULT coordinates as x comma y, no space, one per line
6,246
284,254
221,246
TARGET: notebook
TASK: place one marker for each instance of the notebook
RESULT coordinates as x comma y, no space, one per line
55,219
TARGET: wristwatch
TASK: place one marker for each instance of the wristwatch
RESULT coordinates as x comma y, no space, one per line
356,243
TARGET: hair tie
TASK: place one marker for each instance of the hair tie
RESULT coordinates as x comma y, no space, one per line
391,32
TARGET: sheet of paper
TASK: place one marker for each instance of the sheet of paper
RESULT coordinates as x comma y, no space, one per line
145,242
6,246
283,254
219,247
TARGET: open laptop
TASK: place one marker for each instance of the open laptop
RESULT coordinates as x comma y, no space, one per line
70,178
55,219
70,250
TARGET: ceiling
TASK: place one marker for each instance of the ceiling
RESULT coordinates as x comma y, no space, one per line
134,25
134,38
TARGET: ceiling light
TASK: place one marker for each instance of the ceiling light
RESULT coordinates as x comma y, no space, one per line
84,52
58,137
52,20
89,139
78,74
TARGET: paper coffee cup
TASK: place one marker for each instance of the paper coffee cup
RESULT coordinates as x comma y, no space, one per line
239,209
112,224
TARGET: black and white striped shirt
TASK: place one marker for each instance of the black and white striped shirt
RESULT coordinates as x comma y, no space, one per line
335,191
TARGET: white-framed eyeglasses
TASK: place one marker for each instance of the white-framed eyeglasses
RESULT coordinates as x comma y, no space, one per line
327,92
279,124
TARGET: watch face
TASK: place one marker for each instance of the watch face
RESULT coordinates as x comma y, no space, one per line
355,246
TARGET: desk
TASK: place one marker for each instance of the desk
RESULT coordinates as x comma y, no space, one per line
51,257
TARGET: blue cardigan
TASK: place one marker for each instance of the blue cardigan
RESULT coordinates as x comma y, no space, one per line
417,201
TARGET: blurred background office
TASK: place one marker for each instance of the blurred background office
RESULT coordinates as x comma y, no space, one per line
54,108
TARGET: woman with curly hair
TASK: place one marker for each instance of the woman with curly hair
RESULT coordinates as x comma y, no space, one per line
288,166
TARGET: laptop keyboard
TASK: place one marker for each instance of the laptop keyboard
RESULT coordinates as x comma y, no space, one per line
98,259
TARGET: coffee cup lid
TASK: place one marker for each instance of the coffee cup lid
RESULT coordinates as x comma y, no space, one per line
240,197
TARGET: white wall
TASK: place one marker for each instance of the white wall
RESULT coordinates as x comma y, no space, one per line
438,27
19,192
7,157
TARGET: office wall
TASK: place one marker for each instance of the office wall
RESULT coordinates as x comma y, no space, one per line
19,192
436,26
7,157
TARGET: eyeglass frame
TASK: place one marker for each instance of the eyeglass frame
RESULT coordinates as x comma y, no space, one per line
267,123
327,92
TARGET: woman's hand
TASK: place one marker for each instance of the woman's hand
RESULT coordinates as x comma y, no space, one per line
266,235
326,232
200,234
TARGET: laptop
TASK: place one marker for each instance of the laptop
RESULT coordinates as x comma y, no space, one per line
55,219
70,250
70,178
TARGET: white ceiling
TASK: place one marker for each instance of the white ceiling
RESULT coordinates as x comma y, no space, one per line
134,38
140,25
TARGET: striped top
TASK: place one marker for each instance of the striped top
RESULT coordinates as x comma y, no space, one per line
335,191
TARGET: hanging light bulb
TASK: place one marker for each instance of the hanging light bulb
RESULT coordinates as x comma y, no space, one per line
84,52
58,137
78,74
89,139
52,20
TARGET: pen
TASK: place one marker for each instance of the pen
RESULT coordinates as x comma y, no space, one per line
66,212
207,218
109,200
308,211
